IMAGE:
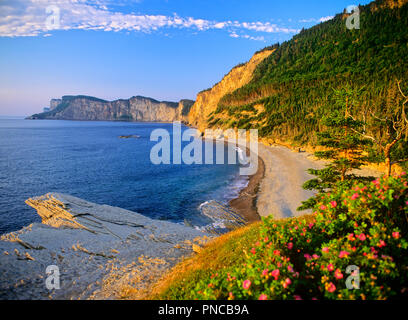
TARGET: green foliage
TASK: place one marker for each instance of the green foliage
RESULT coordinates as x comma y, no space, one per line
70,98
295,82
308,258
61,107
345,146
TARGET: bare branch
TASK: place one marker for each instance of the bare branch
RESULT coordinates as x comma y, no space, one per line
400,161
364,135
378,118
399,88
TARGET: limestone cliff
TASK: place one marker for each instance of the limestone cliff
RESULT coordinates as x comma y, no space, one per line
207,101
134,109
146,109
54,103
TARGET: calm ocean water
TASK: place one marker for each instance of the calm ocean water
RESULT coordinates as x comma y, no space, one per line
88,160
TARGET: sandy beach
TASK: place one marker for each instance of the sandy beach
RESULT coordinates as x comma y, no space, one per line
280,192
276,189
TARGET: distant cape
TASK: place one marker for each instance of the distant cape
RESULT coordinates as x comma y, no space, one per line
137,108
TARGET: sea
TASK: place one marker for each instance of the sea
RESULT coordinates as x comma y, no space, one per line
89,160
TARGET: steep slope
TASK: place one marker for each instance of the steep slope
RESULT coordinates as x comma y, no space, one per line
133,109
207,101
290,89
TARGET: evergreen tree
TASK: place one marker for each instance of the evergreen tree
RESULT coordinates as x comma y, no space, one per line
391,147
342,141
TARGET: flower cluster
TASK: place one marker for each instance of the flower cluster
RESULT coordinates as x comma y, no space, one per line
308,257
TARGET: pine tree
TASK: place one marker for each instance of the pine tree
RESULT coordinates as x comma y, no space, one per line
344,145
391,146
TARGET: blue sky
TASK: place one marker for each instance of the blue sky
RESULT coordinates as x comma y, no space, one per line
165,49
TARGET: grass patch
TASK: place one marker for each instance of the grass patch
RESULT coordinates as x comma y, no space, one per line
219,254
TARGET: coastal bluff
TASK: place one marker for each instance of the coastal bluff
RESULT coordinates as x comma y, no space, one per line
138,108
99,250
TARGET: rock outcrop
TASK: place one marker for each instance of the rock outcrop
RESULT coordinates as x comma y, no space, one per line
54,103
207,101
91,244
134,109
194,113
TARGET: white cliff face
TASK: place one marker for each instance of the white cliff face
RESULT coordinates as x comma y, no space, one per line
90,244
143,109
134,109
54,103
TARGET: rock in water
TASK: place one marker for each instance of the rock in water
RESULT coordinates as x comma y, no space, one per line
129,137
224,219
90,244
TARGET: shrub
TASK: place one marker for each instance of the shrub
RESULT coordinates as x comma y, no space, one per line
365,226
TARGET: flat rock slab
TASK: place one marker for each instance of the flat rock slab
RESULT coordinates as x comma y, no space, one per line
91,244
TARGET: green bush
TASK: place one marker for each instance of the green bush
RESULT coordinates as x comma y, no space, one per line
364,226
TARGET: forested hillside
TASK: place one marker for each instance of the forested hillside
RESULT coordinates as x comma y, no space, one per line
292,90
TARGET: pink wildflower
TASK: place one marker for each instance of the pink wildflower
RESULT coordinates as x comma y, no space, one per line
265,272
330,267
297,297
343,254
362,237
246,284
331,287
396,235
290,245
333,204
381,244
325,249
263,297
338,274
253,251
287,283
355,196
275,273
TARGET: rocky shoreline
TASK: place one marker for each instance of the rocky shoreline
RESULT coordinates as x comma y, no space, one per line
99,249
246,203
89,243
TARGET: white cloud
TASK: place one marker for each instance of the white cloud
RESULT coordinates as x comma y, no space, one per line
246,36
311,20
29,17
324,19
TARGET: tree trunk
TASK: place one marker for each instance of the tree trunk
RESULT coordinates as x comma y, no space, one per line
387,154
388,164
